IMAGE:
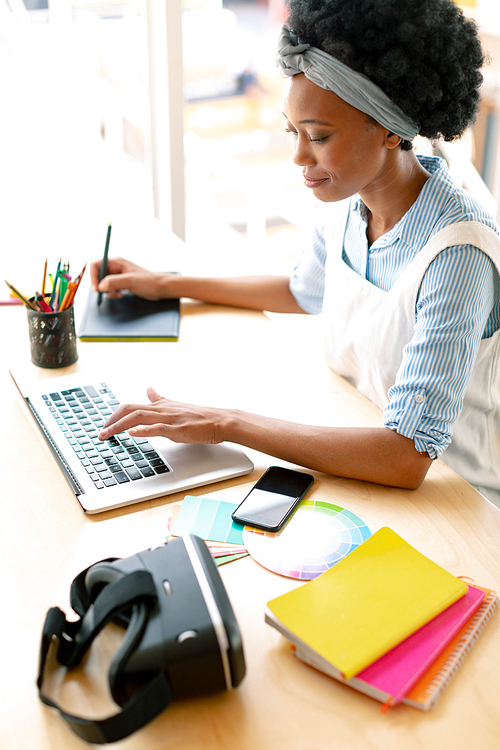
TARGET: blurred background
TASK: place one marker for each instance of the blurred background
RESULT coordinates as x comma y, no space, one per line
125,110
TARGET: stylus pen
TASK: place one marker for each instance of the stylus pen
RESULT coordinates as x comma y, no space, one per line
104,264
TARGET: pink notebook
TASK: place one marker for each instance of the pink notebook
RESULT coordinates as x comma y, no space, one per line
399,669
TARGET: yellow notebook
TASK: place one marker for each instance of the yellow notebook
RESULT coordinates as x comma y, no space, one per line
367,603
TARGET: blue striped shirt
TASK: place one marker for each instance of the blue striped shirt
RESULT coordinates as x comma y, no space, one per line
458,302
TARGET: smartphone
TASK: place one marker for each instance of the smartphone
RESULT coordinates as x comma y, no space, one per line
272,499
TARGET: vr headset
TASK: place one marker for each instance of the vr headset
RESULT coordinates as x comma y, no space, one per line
181,638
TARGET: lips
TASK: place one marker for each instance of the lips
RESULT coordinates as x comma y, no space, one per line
312,182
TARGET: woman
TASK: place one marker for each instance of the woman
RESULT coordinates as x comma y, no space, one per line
404,264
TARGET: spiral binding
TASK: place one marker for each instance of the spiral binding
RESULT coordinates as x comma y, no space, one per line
456,657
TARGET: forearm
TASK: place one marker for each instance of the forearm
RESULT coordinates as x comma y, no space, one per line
254,292
371,454
270,293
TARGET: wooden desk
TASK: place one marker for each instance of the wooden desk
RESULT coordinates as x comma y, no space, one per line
249,360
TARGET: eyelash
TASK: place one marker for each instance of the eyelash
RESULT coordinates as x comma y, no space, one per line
311,140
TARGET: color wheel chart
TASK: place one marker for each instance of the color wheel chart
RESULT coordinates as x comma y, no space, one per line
317,536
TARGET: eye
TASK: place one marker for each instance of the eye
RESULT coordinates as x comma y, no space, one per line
317,140
289,130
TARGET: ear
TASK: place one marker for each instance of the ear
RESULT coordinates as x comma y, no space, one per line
392,140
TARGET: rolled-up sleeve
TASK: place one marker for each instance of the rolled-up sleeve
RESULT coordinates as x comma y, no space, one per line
455,302
307,282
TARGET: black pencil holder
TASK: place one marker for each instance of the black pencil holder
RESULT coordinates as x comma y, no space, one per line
52,337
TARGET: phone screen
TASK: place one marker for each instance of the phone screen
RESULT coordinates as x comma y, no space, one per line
273,498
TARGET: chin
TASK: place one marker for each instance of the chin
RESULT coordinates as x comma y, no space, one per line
329,197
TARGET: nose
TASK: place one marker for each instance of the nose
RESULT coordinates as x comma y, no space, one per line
303,155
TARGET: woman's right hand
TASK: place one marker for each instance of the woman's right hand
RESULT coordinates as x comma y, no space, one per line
123,274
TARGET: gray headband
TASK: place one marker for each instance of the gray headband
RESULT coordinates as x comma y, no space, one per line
354,88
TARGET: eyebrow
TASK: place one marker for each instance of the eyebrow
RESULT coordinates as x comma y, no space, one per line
310,122
314,122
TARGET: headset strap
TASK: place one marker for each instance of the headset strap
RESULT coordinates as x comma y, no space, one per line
136,590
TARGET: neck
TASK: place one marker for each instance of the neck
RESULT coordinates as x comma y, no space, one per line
394,193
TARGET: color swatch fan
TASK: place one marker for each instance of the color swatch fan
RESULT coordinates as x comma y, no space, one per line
317,536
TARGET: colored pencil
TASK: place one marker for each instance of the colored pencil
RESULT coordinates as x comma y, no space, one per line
44,279
20,296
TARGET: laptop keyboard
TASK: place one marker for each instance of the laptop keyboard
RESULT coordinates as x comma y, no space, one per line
80,413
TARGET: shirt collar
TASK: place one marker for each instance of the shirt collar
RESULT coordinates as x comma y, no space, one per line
414,234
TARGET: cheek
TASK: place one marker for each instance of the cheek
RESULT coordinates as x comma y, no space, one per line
345,164
335,158
363,161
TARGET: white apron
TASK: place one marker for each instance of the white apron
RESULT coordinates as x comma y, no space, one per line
367,329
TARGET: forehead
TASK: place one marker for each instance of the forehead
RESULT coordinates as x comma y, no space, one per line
304,102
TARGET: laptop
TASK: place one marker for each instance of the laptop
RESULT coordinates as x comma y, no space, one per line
70,410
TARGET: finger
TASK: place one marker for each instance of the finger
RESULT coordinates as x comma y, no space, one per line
126,409
153,395
114,295
114,282
114,285
153,430
124,419
122,411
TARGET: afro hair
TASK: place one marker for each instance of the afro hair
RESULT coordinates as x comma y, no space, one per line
425,54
